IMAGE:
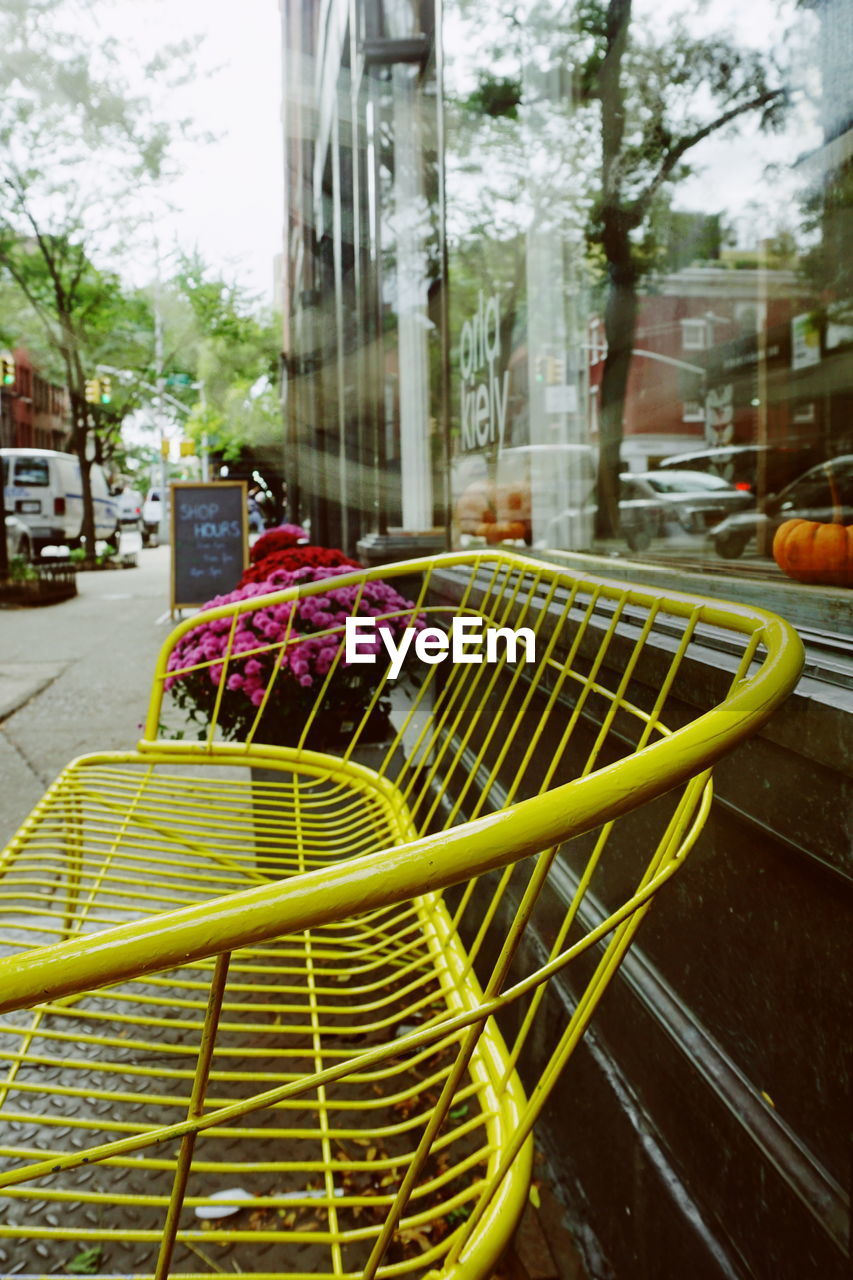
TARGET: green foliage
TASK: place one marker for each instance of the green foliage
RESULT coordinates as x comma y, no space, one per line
611,110
218,332
495,96
64,90
619,102
222,309
20,570
73,317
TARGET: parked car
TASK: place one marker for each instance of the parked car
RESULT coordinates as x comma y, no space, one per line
43,489
152,511
18,542
694,501
823,493
739,464
129,502
641,512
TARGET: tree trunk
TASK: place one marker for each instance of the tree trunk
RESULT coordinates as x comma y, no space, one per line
620,323
79,439
4,550
88,504
620,309
80,429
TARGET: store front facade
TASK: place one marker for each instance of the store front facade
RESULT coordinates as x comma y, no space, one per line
575,278
525,263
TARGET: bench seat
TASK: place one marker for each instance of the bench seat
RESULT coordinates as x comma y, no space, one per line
264,1008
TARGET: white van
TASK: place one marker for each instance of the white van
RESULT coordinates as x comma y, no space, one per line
43,488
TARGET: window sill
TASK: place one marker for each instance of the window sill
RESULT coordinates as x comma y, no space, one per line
822,615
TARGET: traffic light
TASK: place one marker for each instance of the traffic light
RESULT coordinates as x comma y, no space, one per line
106,391
187,448
8,371
93,390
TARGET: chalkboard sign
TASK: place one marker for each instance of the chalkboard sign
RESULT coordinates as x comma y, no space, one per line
210,540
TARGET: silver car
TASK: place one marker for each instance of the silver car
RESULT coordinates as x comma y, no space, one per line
693,501
18,541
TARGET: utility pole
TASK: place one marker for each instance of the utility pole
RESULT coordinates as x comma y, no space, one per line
205,442
160,382
8,364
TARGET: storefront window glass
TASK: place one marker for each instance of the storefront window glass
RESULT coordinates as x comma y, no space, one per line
650,297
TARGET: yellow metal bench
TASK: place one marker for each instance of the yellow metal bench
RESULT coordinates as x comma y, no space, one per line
297,998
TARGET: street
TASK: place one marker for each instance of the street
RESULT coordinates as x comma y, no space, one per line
75,677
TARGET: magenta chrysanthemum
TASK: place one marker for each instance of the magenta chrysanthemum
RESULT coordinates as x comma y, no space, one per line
289,653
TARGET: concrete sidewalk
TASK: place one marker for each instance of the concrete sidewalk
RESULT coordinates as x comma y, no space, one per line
75,677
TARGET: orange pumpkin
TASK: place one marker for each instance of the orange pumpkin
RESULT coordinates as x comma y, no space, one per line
502,530
809,551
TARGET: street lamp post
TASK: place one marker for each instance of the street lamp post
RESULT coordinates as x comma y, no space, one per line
163,531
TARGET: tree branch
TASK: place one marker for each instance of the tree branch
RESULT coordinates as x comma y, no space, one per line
43,245
640,206
37,306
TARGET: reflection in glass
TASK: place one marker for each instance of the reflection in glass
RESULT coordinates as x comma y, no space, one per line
648,230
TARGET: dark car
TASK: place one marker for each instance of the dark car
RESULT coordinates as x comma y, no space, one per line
694,501
742,465
824,493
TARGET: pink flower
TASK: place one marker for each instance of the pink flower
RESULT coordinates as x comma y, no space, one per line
314,627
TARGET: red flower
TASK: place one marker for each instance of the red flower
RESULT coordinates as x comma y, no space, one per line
286,535
291,558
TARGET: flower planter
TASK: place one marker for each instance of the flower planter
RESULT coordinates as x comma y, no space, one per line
53,584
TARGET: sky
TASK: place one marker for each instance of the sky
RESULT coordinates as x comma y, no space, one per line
228,200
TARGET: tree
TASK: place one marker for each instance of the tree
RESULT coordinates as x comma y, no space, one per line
76,151
235,356
620,105
81,310
646,91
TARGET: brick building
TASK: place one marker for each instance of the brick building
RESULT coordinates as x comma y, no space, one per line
35,411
